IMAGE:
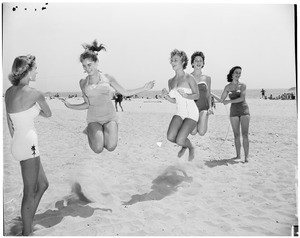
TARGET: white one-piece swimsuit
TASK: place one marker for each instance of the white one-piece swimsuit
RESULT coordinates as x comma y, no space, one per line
186,108
24,144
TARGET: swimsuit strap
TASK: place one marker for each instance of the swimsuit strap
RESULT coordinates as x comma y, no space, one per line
202,82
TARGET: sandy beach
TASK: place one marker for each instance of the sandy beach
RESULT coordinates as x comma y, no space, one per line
142,188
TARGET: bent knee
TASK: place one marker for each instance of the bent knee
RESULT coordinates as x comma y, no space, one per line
111,147
181,141
97,150
245,135
202,132
171,138
44,185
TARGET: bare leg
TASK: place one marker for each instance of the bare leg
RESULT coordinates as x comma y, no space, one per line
173,129
95,137
42,185
245,120
235,124
182,140
202,122
110,135
116,105
121,106
30,173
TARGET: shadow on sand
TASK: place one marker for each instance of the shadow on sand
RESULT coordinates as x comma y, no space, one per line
214,163
164,185
76,205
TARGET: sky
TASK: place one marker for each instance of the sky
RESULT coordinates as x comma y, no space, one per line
139,37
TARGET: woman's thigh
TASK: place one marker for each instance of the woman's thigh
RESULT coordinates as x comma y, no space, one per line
245,121
174,127
30,172
110,134
235,124
202,123
95,133
186,128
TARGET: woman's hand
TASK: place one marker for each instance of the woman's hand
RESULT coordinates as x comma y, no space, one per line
210,111
65,102
164,92
182,93
225,102
149,85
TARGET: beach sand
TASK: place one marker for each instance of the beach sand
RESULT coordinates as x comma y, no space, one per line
142,188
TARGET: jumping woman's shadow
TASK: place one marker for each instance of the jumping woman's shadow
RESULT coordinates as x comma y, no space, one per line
164,185
73,205
222,162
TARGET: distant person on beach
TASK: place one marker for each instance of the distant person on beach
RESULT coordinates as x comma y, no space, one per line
118,99
239,110
204,86
102,128
183,90
263,93
23,104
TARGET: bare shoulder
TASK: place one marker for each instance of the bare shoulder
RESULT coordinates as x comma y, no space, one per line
82,81
110,77
243,86
207,78
227,87
190,78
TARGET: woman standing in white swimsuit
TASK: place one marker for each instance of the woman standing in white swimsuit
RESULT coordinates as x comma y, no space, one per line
183,91
102,128
23,104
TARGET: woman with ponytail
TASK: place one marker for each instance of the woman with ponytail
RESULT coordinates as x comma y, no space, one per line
102,122
23,104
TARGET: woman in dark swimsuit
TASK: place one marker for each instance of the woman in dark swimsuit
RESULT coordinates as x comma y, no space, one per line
204,85
239,110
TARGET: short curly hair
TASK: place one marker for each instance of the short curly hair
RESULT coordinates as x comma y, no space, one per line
20,68
195,54
229,75
182,55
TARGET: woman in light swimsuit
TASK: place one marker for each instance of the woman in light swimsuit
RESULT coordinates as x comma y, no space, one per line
239,110
183,91
23,104
204,86
102,128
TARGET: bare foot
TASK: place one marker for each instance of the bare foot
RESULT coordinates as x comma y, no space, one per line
191,153
246,160
181,152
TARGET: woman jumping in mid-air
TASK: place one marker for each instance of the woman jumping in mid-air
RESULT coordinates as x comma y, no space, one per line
102,128
183,91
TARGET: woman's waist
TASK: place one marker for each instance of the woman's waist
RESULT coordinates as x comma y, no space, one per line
239,104
24,132
101,109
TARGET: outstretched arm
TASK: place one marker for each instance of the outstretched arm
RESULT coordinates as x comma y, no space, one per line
129,92
82,106
166,96
216,97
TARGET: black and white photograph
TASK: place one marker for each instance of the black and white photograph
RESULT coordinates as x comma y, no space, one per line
150,118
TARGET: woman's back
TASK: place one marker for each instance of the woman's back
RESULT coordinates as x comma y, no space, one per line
19,98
